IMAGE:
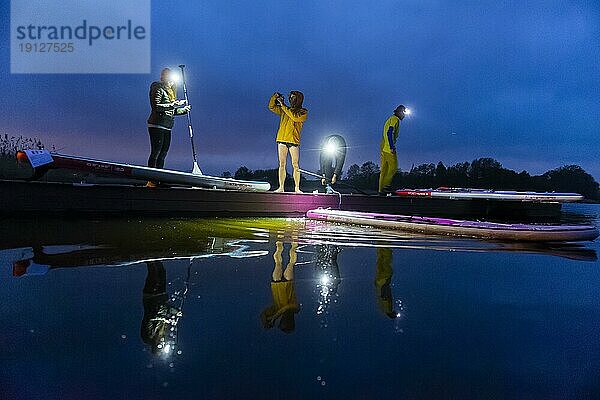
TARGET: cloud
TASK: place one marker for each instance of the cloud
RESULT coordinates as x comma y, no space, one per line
515,83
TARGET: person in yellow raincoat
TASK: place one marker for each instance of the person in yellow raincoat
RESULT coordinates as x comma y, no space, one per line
285,304
288,135
389,158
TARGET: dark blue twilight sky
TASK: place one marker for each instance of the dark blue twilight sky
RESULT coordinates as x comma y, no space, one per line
518,81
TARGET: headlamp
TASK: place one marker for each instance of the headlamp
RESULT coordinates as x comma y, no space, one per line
330,148
174,77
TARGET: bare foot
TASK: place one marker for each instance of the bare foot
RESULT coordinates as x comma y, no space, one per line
298,191
279,190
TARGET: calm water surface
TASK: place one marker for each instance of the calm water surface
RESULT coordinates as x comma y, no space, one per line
289,308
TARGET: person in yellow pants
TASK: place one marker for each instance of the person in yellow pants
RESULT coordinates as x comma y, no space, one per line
389,159
383,282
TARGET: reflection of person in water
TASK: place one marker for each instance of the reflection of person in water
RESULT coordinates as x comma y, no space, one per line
284,304
383,280
159,325
328,274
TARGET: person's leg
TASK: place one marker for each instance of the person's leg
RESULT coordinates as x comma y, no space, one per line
156,139
156,279
282,151
383,280
392,169
327,169
166,143
295,154
382,172
389,167
288,274
278,258
325,166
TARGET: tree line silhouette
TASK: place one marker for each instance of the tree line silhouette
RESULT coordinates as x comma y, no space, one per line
482,173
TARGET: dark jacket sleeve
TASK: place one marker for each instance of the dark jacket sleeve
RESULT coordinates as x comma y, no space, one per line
390,138
158,100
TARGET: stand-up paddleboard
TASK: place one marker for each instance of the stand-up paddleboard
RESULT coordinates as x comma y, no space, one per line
42,160
443,226
483,194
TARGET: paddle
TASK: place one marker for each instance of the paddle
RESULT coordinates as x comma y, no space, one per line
196,169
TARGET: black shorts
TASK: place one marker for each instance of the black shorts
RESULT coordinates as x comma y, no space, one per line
288,144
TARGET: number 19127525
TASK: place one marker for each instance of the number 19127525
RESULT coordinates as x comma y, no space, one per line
47,47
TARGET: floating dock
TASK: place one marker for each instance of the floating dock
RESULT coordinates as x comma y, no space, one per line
23,198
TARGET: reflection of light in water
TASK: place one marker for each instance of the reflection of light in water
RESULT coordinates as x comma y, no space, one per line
168,343
400,317
326,287
320,232
239,250
327,279
324,280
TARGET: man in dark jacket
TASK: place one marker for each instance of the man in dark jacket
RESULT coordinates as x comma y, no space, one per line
332,157
164,104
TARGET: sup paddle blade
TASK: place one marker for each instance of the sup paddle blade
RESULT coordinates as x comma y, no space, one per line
196,170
